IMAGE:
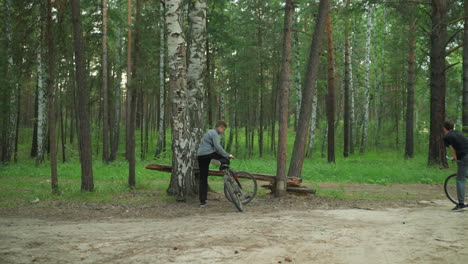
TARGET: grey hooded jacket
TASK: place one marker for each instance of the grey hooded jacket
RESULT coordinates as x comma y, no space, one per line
210,144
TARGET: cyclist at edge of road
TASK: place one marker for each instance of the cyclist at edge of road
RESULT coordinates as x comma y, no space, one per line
458,143
211,149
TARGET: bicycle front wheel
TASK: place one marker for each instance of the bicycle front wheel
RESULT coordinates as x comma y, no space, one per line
232,195
450,188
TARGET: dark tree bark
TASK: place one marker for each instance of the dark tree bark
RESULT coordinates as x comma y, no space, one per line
409,147
465,70
297,159
331,93
437,67
347,82
105,92
285,76
51,98
133,95
87,182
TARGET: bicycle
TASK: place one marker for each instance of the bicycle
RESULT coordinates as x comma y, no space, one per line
450,188
240,187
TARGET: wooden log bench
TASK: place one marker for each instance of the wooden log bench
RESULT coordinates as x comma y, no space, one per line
294,183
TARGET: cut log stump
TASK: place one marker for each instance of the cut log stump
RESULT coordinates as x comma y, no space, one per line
294,183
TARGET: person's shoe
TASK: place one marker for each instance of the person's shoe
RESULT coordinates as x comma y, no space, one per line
202,204
223,167
459,207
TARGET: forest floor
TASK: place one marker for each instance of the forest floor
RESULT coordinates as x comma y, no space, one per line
411,223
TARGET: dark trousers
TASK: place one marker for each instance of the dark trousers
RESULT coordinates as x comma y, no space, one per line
203,165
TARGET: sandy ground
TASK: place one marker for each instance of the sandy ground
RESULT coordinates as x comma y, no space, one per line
270,231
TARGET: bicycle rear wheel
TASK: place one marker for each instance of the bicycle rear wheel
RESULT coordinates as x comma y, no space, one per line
450,188
232,194
248,186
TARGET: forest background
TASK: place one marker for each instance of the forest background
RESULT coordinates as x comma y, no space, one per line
106,87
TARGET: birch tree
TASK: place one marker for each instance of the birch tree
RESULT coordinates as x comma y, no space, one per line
297,159
181,166
281,182
115,130
162,77
41,101
313,125
367,81
196,78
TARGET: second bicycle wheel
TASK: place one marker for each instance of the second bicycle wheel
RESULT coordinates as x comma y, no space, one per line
248,186
450,188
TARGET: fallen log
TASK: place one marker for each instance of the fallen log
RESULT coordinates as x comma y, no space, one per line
294,183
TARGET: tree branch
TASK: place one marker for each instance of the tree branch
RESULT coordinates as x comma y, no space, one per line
453,50
451,65
452,37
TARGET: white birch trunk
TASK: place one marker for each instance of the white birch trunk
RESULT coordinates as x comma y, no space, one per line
196,76
162,49
181,134
313,125
297,79
221,113
367,91
41,107
117,96
13,101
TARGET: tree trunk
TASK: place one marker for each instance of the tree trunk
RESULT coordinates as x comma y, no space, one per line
465,70
178,84
297,79
196,78
297,158
105,92
313,125
281,177
87,182
51,98
352,116
41,103
133,92
437,66
162,77
409,147
115,131
367,88
347,93
331,93
129,80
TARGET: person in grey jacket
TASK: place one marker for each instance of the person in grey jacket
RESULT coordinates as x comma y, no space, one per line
211,149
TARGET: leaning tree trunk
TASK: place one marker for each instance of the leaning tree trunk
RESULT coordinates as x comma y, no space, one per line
297,159
465,70
347,82
367,88
437,67
105,92
87,183
409,147
331,93
162,77
281,178
51,98
196,78
182,167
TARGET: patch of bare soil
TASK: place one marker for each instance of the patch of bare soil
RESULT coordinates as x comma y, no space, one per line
412,224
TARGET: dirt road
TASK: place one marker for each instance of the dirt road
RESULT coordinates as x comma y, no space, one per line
429,233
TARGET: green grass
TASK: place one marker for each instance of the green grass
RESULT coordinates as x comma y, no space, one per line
23,182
